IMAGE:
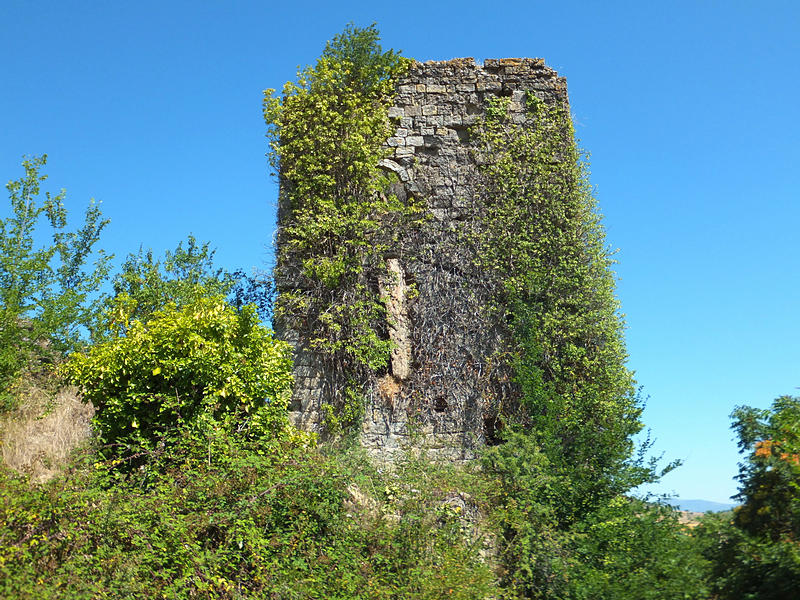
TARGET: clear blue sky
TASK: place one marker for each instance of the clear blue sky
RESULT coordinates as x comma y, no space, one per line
689,109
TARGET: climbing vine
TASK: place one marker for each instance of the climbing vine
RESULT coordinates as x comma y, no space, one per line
556,289
327,134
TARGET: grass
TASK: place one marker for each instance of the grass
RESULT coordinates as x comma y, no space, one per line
38,435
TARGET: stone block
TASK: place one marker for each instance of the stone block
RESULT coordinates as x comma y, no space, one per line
488,86
396,112
430,109
396,141
390,165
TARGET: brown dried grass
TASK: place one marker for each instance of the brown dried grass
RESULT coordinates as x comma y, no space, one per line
388,388
39,435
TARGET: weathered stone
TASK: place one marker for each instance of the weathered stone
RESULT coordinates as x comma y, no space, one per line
390,164
488,86
394,291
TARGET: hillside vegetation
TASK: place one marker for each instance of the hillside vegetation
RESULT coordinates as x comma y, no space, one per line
194,484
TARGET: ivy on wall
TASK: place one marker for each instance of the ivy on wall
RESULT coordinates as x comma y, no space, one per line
556,289
327,134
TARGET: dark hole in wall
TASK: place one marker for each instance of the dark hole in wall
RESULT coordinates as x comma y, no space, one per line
433,141
474,109
492,428
440,404
428,151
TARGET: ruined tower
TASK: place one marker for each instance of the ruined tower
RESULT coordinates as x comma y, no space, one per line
446,376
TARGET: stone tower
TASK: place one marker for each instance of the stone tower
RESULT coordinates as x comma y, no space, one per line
445,382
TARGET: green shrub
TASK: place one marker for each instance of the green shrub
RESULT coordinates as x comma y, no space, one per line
282,524
189,369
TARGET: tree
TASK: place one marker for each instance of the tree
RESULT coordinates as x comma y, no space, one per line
146,284
770,474
45,292
756,555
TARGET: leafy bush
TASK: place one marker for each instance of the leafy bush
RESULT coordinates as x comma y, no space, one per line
194,368
282,524
630,549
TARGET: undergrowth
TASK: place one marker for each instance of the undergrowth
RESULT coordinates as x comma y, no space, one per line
293,523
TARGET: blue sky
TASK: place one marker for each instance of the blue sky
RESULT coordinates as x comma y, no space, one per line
689,110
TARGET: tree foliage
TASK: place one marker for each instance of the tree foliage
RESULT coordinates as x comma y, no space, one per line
146,284
45,291
770,476
756,554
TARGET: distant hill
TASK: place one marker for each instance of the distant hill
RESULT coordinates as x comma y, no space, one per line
700,506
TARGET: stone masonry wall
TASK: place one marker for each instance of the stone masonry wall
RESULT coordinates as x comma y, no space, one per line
445,383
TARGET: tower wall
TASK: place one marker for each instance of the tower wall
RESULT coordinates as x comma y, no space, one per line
445,381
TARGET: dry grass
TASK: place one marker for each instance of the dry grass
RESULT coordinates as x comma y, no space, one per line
38,436
388,388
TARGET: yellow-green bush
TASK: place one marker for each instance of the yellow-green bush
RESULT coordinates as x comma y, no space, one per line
190,369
